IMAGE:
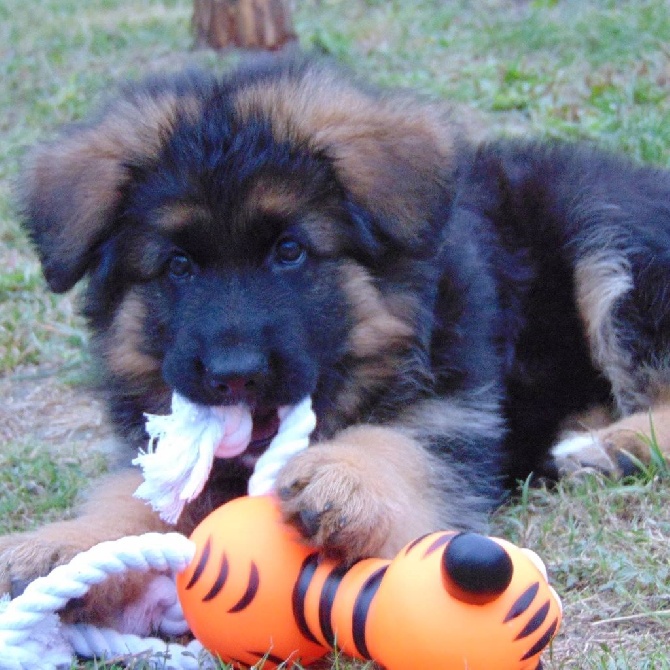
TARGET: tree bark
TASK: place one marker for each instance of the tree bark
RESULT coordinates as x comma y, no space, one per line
249,24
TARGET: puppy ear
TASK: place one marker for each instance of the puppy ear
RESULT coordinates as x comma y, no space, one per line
398,159
70,189
395,155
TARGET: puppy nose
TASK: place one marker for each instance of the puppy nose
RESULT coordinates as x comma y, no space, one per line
235,377
230,387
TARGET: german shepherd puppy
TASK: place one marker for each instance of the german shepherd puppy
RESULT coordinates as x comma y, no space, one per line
285,231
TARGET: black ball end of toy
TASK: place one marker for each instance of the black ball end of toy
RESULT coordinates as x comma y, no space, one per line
477,565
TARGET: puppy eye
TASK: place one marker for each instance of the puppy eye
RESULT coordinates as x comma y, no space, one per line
180,266
289,251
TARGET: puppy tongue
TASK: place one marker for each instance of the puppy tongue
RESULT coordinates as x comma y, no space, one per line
238,426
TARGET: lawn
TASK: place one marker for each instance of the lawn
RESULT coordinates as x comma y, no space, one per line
579,69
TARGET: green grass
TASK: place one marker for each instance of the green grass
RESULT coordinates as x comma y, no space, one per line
595,70
606,547
38,487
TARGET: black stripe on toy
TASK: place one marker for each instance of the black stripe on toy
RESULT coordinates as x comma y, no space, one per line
361,607
250,593
534,622
542,642
220,580
438,543
202,562
413,544
300,588
523,602
326,599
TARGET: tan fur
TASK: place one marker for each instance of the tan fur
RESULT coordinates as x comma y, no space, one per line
80,174
365,377
601,280
598,416
371,487
381,328
272,197
377,330
373,140
124,343
288,200
181,216
109,513
321,233
633,433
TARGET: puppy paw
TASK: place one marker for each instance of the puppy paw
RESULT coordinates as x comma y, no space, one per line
327,494
367,492
607,452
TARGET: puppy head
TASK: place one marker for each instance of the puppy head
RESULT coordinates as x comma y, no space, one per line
253,240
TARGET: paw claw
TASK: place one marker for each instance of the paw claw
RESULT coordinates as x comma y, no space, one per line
310,522
627,466
284,493
290,491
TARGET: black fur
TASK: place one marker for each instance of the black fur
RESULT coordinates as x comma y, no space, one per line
492,272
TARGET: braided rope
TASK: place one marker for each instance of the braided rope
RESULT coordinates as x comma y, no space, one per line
28,627
296,425
33,638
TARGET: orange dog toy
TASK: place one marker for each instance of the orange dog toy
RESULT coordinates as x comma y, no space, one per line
448,600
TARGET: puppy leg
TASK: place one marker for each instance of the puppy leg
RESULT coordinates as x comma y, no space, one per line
110,513
363,493
623,306
607,449
368,492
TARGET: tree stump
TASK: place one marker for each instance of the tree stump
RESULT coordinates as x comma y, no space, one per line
248,24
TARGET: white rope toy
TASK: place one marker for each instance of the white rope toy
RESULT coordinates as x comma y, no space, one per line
31,635
183,444
181,451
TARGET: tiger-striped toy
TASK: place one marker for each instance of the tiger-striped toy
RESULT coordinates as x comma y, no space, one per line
448,600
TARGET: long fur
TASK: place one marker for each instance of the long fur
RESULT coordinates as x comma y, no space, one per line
286,231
